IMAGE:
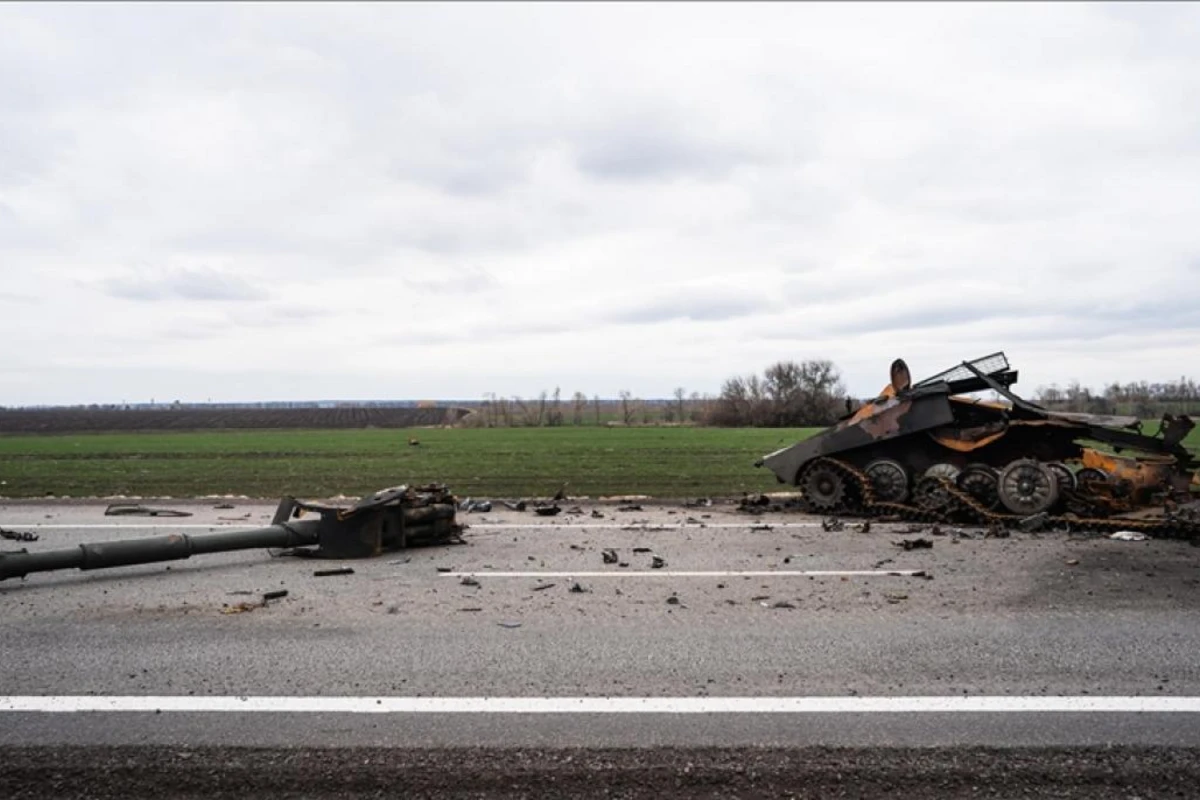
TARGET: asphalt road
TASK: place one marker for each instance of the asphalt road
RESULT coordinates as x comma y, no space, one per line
1029,616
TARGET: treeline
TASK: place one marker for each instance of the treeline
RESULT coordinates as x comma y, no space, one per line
789,394
551,409
1139,398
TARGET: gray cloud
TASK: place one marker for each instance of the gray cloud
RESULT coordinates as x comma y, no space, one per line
531,186
185,283
697,305
645,150
469,280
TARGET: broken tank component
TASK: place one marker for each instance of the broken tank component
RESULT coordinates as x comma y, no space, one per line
386,520
931,449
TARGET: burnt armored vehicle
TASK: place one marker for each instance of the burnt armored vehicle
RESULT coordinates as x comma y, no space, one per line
931,447
386,520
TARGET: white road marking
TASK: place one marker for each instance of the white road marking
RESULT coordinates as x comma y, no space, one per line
602,705
134,525
668,573
472,526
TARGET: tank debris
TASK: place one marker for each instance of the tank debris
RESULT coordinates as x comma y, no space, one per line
390,519
929,452
329,573
134,510
18,536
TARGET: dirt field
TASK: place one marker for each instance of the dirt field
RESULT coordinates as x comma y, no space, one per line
169,419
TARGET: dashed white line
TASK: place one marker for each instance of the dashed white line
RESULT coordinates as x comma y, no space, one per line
626,526
667,573
601,705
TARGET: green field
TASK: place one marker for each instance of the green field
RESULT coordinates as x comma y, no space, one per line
497,462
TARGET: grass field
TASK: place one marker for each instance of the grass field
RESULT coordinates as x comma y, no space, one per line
497,462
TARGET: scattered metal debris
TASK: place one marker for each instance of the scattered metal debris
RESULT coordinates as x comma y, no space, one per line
475,506
1129,536
511,506
18,536
278,594
467,580
643,550
326,573
673,600
1034,522
541,587
578,588
132,510
610,556
657,562
914,544
634,507
223,506
832,524
239,608
546,511
782,604
596,514
509,624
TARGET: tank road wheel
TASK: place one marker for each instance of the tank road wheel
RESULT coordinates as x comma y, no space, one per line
1090,475
981,482
889,480
1066,478
824,487
1028,487
943,470
930,494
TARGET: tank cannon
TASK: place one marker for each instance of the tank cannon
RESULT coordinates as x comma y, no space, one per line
387,520
929,450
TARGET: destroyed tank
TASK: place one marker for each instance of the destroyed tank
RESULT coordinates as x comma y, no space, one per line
931,449
386,520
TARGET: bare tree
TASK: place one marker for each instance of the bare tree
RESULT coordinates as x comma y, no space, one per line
788,394
679,410
579,401
596,404
626,407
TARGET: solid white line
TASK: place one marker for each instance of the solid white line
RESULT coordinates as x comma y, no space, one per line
666,573
133,525
475,526
602,705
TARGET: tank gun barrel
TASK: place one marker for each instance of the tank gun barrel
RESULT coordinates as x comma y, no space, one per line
386,520
151,549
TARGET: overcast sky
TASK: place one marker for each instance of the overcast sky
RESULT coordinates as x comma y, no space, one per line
251,202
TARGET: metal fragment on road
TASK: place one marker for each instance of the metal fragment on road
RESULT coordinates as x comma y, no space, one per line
914,544
326,573
132,510
18,536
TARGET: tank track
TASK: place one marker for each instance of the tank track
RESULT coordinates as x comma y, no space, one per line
964,508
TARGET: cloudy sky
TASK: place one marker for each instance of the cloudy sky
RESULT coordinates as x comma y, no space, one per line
244,202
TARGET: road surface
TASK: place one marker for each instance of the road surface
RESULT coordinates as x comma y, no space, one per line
765,656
